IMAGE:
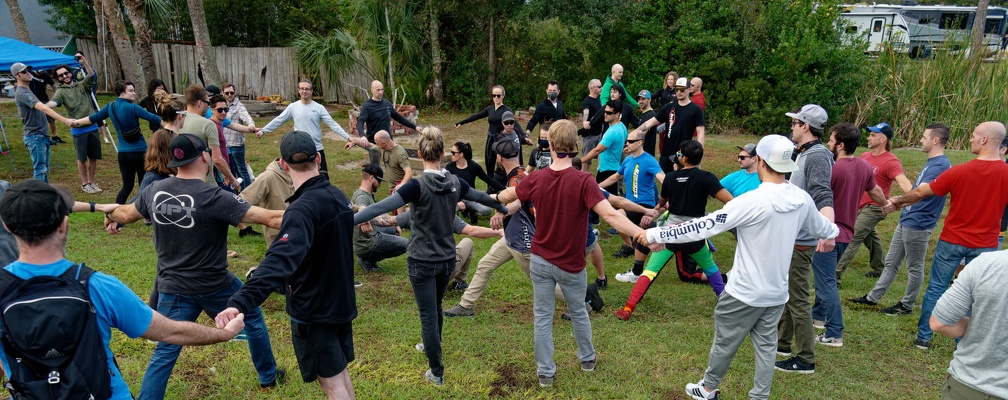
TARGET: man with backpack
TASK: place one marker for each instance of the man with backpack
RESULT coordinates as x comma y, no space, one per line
39,288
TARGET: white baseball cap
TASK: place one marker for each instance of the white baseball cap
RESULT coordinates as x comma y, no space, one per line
776,150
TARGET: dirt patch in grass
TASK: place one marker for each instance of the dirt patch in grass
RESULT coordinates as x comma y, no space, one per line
509,379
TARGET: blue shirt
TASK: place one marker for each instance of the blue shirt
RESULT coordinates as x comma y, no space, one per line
740,181
125,117
639,177
613,139
924,214
116,305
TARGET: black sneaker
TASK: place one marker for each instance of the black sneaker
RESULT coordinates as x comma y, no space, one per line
281,376
872,274
922,344
624,252
368,266
459,286
248,231
863,300
794,364
602,284
897,309
593,298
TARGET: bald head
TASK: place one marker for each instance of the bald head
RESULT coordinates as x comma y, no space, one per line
986,139
994,130
377,90
696,84
382,135
617,72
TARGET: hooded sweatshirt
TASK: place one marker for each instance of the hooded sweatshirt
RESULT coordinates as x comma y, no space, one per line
768,220
270,190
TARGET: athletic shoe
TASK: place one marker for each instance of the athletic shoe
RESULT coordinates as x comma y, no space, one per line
623,313
95,187
794,364
459,311
436,380
922,344
818,324
612,231
357,285
281,376
248,231
783,353
367,266
593,299
897,309
628,277
589,366
872,274
624,252
419,347
602,284
240,337
829,341
459,286
697,391
863,300
545,381
86,188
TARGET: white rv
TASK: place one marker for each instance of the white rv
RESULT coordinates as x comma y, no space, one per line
877,29
927,28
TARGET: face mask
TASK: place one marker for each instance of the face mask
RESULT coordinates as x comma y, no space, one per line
543,144
552,95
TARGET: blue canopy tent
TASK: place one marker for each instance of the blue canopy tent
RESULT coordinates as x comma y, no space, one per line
12,51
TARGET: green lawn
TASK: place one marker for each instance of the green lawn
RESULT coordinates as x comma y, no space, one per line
663,347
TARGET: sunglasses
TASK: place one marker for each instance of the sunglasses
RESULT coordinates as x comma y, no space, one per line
455,153
743,157
610,112
680,90
565,155
65,74
222,109
632,141
508,122
229,93
497,96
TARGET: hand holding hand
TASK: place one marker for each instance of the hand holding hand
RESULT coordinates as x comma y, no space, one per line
366,227
259,134
349,144
497,221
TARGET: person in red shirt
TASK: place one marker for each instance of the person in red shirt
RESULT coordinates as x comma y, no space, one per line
887,169
696,90
979,191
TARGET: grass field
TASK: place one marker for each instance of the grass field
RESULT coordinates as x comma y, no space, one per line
663,347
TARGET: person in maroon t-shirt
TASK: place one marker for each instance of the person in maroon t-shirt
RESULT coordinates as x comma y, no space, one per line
562,196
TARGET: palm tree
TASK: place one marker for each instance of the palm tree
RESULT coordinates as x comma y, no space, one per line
333,55
204,49
19,21
122,44
977,49
435,42
388,30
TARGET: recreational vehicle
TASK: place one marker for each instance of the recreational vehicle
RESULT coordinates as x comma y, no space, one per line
927,28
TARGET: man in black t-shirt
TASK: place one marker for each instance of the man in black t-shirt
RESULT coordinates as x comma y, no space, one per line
644,100
682,119
590,106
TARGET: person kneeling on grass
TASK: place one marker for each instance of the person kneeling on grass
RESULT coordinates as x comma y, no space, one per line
768,220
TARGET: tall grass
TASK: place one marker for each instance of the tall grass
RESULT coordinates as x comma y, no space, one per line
951,88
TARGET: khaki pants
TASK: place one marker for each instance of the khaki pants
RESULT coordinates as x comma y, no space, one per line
952,389
498,255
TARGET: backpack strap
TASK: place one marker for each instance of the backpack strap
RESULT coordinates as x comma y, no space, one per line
82,274
7,279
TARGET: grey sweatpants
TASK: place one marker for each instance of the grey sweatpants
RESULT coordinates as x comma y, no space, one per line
733,320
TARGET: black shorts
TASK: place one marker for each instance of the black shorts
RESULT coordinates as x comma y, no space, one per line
88,146
322,349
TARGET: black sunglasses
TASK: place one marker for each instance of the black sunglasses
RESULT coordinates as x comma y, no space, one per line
607,112
495,95
455,153
565,155
229,93
632,141
508,122
744,157
222,109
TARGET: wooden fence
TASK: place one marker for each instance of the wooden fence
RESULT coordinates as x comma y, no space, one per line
255,71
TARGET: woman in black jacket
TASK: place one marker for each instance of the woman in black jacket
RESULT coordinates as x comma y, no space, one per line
494,115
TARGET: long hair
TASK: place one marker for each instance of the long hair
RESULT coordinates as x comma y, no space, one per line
465,149
158,156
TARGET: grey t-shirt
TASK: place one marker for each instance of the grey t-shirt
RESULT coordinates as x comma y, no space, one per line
979,360
8,246
190,220
34,121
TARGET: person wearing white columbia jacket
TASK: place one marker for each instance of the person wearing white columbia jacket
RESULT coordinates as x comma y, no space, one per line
768,220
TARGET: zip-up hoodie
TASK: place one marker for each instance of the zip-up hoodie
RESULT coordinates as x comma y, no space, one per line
270,190
768,220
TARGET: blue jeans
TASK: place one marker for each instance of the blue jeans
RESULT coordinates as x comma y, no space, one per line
943,265
237,164
429,281
827,296
38,149
184,307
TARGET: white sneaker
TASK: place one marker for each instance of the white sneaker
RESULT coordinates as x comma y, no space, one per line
697,391
95,187
628,277
828,341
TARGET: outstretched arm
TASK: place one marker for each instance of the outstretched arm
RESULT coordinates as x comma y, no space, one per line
187,333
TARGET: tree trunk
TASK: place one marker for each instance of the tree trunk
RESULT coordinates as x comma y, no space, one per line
141,29
978,50
388,36
435,52
204,50
491,58
19,22
108,54
121,41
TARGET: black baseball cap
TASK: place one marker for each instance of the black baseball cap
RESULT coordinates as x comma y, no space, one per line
213,89
297,142
375,171
33,207
506,148
184,149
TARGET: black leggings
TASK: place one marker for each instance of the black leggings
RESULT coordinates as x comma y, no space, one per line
489,156
130,164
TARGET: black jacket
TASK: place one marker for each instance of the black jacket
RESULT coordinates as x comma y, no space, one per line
546,112
312,255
